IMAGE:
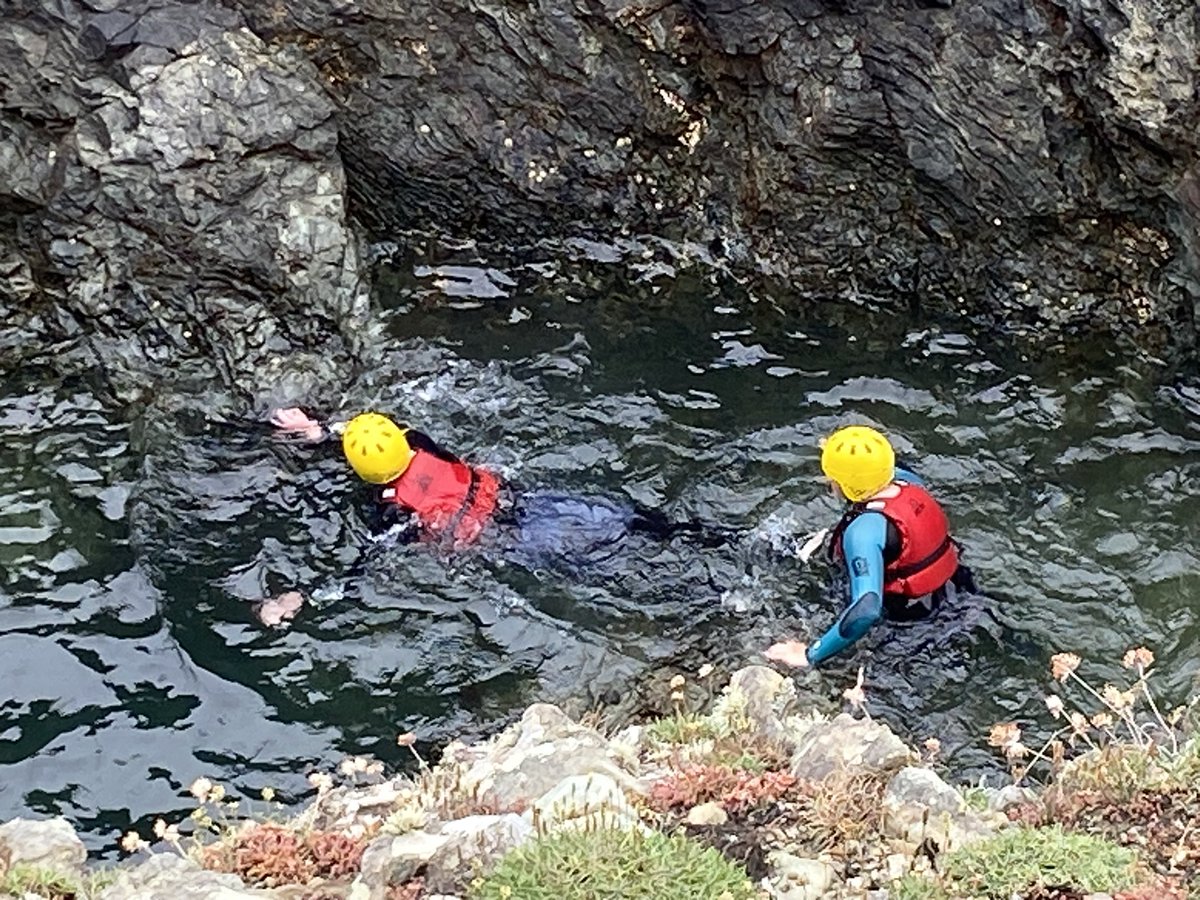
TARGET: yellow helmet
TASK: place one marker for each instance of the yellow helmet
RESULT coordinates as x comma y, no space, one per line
860,460
376,448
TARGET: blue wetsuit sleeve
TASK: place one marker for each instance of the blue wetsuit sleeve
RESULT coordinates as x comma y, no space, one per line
906,474
862,544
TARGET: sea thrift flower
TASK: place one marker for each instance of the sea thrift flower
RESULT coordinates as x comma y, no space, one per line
200,789
1055,705
1063,664
1102,720
321,781
934,746
268,794
677,696
1139,658
1007,736
1116,700
677,682
406,740
132,842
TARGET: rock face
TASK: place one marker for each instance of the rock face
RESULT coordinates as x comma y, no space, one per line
1036,159
175,183
176,174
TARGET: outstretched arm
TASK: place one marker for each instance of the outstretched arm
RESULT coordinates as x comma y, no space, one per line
862,545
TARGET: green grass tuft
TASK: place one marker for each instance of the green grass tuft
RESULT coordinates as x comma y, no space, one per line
683,728
1020,858
22,879
602,864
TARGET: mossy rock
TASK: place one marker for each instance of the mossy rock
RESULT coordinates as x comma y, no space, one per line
602,864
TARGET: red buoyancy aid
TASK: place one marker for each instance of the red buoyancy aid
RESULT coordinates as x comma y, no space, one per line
928,556
447,496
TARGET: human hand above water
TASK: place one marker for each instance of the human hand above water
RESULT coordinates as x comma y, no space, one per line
293,418
279,609
790,653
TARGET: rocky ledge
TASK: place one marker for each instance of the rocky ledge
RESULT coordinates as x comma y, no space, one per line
798,806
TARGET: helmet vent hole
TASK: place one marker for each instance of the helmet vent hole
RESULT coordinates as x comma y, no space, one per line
379,448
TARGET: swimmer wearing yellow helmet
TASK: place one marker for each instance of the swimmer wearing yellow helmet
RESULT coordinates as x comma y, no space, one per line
411,473
893,539
448,497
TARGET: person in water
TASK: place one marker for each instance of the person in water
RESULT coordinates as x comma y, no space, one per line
424,492
893,541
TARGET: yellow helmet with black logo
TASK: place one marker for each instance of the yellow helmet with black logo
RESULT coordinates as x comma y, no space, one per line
376,448
860,460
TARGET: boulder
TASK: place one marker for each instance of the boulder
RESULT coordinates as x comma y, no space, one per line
919,806
43,843
474,846
850,744
167,876
389,861
797,878
534,755
583,802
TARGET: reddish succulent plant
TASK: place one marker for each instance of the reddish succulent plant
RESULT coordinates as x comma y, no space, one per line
271,855
734,789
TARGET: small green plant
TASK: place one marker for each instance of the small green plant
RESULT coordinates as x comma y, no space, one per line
976,798
682,728
21,880
1018,859
917,887
596,864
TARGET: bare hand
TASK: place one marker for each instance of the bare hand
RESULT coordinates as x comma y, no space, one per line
790,653
276,610
293,418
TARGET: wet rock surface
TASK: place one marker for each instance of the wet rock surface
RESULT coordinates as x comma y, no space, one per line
177,174
1026,161
176,196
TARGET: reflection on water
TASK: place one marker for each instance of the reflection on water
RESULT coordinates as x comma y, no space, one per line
134,547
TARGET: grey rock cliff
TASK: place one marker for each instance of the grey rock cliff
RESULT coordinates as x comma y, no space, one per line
178,176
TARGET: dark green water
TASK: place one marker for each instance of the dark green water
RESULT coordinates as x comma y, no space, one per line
133,544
